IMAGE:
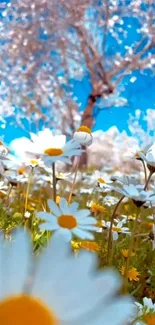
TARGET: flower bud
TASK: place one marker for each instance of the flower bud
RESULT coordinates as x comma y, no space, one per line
83,135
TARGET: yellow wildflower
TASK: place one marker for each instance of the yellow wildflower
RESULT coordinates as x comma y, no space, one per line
75,245
133,274
91,246
97,207
125,253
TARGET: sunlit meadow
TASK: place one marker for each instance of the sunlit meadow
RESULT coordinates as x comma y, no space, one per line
77,197
106,211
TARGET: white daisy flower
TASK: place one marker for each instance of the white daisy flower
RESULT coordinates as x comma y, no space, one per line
27,215
14,178
20,164
134,152
149,157
110,200
62,289
100,179
51,148
118,229
148,307
68,220
134,192
34,163
83,135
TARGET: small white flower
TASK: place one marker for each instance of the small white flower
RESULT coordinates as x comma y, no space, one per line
14,179
118,229
68,220
101,179
51,148
83,135
110,200
149,157
147,307
34,163
27,215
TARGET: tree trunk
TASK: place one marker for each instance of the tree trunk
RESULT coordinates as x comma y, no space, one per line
87,119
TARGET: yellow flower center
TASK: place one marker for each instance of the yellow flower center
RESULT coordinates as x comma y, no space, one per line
25,310
149,319
101,180
53,152
21,171
117,229
67,221
137,154
84,128
1,143
33,162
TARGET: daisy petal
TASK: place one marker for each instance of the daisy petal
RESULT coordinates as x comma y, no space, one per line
14,257
83,234
54,208
73,207
82,213
123,308
45,216
87,221
64,206
88,227
49,226
65,233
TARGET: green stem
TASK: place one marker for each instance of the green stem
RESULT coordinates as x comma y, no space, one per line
145,172
148,180
129,252
74,180
110,230
8,194
54,182
27,191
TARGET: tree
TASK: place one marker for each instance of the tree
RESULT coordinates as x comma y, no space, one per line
52,43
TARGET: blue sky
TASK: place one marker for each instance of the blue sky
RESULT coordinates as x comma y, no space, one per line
140,95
